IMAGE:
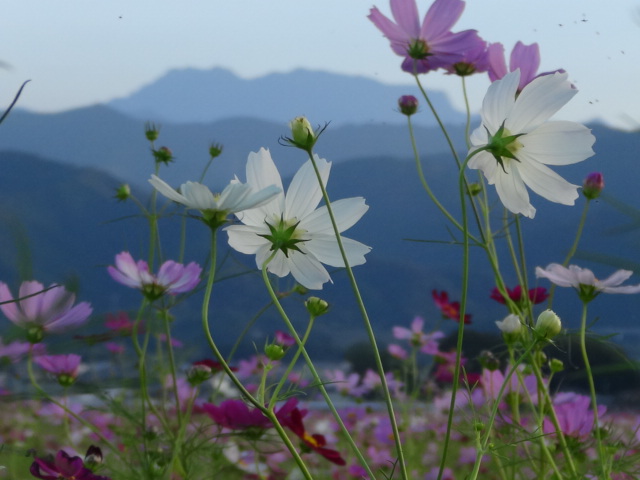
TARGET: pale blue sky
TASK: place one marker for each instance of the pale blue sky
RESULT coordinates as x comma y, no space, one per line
81,52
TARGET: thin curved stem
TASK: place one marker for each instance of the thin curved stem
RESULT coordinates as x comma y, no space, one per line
367,323
312,369
205,324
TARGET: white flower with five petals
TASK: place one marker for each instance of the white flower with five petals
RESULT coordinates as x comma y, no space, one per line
290,225
523,142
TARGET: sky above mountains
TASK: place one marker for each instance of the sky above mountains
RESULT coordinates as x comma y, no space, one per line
79,53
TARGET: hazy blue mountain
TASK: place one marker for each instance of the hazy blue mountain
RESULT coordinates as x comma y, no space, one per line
192,95
100,137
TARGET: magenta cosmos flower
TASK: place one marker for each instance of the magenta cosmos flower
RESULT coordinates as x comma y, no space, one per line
40,311
64,367
63,467
172,278
526,58
431,45
585,282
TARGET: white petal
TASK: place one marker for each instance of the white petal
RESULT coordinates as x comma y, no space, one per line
346,212
512,192
166,190
279,265
546,183
538,101
499,101
304,192
478,138
487,163
325,249
308,271
558,274
233,196
559,143
198,196
246,239
615,279
262,173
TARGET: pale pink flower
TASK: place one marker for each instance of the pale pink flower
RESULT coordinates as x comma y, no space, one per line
172,278
41,311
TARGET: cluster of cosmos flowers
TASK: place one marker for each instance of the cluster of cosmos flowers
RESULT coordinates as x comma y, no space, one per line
291,232
516,141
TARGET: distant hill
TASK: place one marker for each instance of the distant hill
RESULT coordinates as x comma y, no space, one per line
202,96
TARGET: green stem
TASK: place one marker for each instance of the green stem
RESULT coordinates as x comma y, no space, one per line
367,323
574,246
463,306
314,372
292,364
205,324
67,411
592,387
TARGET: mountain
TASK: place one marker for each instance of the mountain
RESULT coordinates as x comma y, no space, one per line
203,96
100,137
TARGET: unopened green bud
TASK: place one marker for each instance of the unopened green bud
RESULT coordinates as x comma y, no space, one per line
151,131
163,155
475,189
548,324
556,365
215,150
489,361
274,352
316,306
123,192
302,132
300,289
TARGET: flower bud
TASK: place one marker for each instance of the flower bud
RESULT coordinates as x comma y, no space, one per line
215,149
274,352
489,361
65,379
123,192
474,189
151,131
302,133
593,185
408,105
556,365
548,324
163,155
93,457
198,373
511,324
316,306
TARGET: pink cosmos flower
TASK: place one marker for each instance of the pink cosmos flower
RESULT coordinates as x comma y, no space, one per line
172,278
523,57
585,282
346,384
431,45
13,352
396,351
63,467
51,311
236,415
574,415
60,365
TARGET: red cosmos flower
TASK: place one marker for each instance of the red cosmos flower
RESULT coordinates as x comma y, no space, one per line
449,309
315,442
536,295
63,467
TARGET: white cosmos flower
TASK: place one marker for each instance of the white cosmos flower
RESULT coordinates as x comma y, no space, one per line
539,142
307,234
579,278
215,207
